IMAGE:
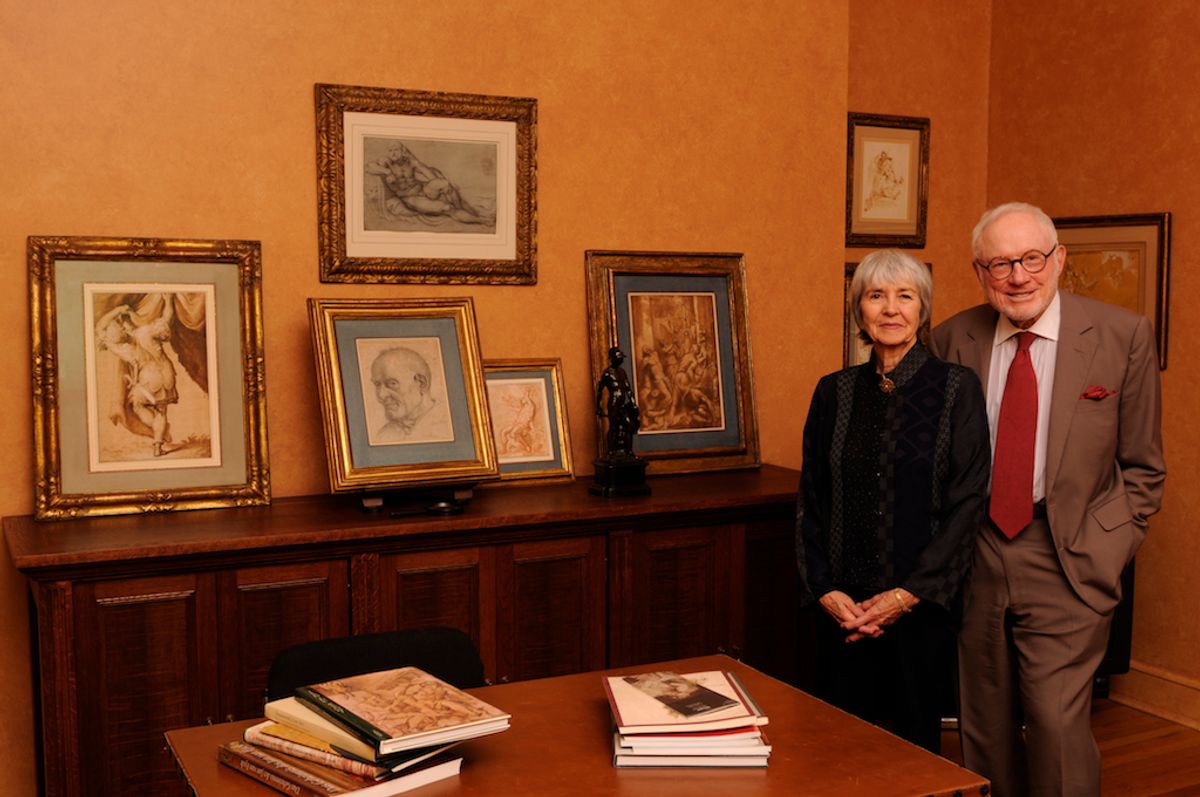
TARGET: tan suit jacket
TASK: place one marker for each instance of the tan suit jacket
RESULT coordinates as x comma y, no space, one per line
1104,467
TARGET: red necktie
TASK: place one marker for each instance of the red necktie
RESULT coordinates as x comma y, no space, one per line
1011,505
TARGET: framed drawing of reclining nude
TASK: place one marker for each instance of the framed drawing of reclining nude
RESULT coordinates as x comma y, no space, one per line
148,375
680,319
403,401
423,186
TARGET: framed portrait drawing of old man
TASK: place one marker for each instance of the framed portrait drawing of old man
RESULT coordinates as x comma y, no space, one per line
148,375
423,186
402,394
681,321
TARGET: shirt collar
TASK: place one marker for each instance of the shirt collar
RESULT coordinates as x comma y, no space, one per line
1046,326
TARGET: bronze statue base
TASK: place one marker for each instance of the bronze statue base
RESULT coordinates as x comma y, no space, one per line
617,477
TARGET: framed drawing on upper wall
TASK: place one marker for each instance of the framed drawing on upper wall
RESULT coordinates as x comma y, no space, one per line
681,319
1123,260
529,420
421,186
855,350
887,180
403,401
148,375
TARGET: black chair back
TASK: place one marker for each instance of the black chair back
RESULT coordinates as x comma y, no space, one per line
445,653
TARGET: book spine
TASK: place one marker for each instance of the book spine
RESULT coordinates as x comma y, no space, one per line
744,694
347,719
264,773
309,754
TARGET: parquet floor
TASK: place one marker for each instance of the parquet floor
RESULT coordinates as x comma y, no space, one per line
1140,755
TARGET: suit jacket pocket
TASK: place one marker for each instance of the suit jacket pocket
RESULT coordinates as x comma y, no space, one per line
1113,513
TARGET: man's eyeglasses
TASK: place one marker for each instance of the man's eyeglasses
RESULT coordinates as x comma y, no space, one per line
1032,261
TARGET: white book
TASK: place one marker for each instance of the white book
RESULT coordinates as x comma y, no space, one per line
629,745
636,711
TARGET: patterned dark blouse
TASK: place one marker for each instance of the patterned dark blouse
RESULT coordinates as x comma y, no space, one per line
893,484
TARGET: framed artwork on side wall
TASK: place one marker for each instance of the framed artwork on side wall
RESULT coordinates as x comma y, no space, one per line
421,186
148,375
887,180
681,319
1123,260
402,394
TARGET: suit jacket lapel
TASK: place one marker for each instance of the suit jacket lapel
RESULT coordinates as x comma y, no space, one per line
1076,348
975,351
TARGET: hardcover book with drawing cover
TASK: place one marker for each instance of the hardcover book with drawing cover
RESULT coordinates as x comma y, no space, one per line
403,709
634,711
306,779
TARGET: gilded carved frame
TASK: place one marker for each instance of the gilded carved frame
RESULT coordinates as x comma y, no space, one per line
654,305
112,438
425,187
379,435
543,452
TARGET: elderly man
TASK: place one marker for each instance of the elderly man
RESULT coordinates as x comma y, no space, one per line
1077,470
402,382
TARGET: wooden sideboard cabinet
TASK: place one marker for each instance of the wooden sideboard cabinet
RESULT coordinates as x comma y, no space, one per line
150,622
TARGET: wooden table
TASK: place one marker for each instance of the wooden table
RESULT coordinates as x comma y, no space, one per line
560,743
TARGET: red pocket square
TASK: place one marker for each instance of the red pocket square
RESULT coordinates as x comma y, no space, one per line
1096,393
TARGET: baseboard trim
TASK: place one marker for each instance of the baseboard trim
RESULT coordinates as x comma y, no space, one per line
1160,692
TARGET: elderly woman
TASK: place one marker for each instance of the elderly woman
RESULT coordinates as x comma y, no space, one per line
894,479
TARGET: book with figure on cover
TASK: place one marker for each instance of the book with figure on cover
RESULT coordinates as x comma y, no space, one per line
306,779
635,712
403,709
281,738
683,695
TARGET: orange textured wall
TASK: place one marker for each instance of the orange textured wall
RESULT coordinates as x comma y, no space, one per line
1093,111
665,125
931,60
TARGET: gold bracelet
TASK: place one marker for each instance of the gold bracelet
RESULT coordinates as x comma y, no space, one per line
903,606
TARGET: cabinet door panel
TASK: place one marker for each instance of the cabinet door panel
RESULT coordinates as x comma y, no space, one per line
551,608
266,609
144,664
454,588
773,601
675,598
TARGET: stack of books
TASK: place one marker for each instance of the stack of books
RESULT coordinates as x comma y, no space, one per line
372,735
702,719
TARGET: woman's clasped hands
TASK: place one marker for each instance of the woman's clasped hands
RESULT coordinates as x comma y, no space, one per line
868,618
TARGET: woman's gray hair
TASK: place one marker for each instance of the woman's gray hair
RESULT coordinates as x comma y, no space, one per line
989,216
890,267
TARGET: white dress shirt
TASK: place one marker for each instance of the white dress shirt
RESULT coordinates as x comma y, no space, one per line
1044,354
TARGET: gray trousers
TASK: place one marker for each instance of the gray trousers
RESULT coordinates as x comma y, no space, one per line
1028,652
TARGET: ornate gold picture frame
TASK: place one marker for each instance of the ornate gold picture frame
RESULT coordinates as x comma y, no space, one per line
681,320
403,400
148,375
421,186
529,420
